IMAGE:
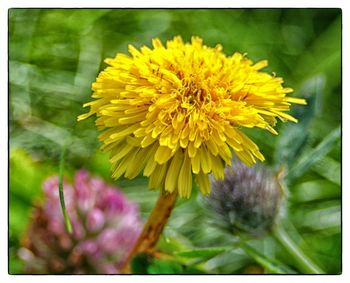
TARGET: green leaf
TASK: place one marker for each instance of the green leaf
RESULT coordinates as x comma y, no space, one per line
294,136
305,264
329,169
164,267
204,252
172,241
192,270
314,190
310,158
326,51
322,218
326,248
270,265
146,264
26,177
228,262
16,265
139,264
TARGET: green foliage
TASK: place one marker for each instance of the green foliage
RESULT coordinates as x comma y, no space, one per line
310,158
165,267
204,252
146,264
271,266
140,264
55,55
294,136
26,177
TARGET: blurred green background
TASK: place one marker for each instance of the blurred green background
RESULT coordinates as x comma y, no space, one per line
55,55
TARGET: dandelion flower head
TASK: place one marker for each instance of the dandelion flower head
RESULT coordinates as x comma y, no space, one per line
177,111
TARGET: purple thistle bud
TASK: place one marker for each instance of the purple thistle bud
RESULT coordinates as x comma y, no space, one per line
247,200
105,225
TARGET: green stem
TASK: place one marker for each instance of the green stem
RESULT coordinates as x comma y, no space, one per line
270,266
305,264
60,189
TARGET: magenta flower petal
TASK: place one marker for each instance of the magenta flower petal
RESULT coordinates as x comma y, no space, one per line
95,220
105,225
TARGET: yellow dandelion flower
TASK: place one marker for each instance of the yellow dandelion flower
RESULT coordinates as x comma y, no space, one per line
176,111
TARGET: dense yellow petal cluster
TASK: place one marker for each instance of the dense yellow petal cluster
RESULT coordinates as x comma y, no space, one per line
176,111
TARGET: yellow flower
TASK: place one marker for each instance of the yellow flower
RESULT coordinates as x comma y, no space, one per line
176,111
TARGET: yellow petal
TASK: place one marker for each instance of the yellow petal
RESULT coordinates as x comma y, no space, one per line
172,176
137,162
124,132
150,164
121,151
218,167
147,140
134,141
196,163
295,100
225,153
132,119
205,160
191,150
85,116
163,154
260,65
212,147
258,154
203,183
286,116
121,166
197,141
156,179
185,178
246,157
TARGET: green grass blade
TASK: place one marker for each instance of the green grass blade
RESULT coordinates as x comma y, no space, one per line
269,265
305,264
203,252
293,137
309,159
60,189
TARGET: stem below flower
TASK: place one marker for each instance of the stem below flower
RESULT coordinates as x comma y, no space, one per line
305,264
153,227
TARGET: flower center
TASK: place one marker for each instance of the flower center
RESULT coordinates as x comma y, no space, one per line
193,94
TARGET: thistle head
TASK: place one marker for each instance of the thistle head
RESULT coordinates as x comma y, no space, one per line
247,200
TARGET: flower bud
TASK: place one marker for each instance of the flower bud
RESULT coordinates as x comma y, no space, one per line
247,200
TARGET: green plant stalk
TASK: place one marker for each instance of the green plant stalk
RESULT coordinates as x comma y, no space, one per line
60,189
267,264
305,264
